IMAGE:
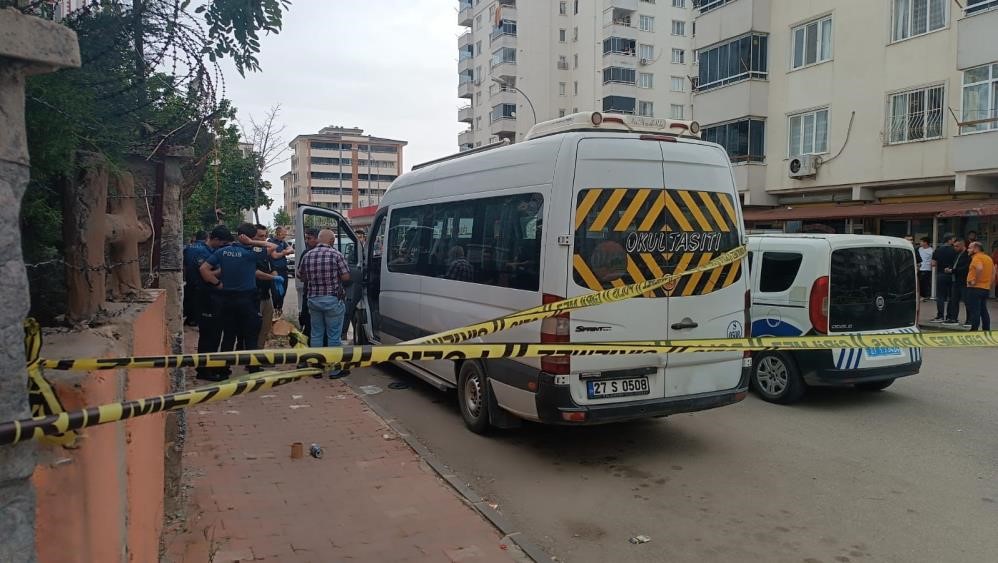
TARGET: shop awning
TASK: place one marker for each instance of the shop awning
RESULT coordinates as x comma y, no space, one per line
986,210
862,210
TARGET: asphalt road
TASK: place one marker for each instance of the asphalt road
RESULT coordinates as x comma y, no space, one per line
907,474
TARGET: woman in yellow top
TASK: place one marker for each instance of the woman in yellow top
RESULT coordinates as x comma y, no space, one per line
982,271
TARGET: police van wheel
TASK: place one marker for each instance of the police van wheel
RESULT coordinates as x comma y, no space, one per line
473,396
875,385
776,379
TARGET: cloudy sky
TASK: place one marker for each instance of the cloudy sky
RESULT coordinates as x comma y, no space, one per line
386,66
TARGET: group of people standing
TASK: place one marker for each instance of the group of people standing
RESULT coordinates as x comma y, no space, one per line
964,272
233,286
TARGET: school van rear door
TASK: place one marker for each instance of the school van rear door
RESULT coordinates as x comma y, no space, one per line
644,209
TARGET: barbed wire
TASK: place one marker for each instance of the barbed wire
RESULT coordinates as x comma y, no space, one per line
101,268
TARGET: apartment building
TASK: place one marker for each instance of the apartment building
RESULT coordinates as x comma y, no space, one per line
521,62
861,116
340,168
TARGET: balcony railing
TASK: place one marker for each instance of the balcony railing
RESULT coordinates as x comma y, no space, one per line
707,5
977,120
979,6
703,87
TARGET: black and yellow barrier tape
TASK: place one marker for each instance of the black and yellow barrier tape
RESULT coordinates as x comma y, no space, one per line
63,423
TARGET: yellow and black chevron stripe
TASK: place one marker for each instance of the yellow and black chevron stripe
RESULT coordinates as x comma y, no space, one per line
666,220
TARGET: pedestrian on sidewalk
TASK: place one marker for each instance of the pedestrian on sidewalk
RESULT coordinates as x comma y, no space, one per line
942,261
231,270
961,265
304,319
325,273
925,268
280,264
198,248
209,324
979,277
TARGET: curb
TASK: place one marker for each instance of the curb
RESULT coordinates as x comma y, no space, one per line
505,527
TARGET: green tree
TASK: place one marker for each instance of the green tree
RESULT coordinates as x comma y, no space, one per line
281,218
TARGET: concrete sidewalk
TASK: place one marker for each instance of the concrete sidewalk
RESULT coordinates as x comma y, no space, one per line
369,498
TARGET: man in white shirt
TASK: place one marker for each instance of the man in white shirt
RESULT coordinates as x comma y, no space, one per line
925,268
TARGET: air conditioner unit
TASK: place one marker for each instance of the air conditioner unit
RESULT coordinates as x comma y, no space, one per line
804,166
644,62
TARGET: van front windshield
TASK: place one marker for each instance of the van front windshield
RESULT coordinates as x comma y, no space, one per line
872,289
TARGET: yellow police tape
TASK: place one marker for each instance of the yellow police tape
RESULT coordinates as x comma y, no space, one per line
441,346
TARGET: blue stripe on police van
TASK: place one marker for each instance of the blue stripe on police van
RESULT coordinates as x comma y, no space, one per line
838,361
859,356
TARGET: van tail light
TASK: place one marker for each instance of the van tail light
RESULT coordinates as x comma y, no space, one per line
555,331
818,305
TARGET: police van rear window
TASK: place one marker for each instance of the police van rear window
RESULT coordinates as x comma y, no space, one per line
871,289
630,235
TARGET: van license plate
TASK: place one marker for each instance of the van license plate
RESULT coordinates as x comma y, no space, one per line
882,352
617,388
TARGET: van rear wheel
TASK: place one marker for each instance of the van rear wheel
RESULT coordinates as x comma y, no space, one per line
473,396
875,385
776,379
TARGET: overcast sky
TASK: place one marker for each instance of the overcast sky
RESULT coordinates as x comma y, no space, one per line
386,66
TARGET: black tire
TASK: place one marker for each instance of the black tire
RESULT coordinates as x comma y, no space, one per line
776,379
875,385
359,334
473,397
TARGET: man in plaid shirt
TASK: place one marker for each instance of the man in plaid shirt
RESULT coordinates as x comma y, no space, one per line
324,271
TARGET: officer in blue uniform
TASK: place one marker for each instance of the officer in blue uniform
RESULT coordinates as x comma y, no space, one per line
209,325
192,277
232,272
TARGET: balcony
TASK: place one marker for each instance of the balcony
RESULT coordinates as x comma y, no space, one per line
464,40
466,114
623,30
466,64
466,89
465,15
466,137
508,9
620,89
503,126
625,5
749,97
503,96
735,19
975,36
505,70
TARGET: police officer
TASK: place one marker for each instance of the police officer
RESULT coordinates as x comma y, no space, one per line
209,325
192,251
232,272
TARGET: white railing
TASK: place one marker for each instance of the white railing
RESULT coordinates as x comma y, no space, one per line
972,9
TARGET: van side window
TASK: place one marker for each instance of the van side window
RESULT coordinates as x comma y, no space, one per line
779,270
491,241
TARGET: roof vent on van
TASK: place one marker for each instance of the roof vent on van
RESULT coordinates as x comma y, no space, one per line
614,122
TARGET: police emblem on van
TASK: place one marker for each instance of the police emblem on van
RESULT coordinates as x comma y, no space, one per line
735,329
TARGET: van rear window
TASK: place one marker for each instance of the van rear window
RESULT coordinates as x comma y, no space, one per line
872,289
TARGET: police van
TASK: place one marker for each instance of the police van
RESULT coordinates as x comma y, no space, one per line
831,284
585,203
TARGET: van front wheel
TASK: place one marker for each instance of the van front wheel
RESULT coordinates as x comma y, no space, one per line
776,379
473,396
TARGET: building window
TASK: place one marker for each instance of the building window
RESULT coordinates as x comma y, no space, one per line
505,27
743,139
812,43
646,23
975,6
478,21
503,111
646,80
676,111
575,87
917,17
707,5
739,59
563,8
808,133
561,113
678,84
575,60
646,109
980,98
504,55
619,45
646,52
648,1
618,74
618,104
678,56
576,9
678,27
575,34
916,115
678,3
562,35
562,62
562,88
